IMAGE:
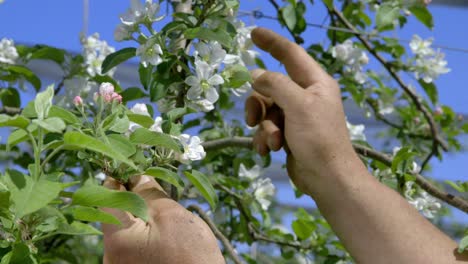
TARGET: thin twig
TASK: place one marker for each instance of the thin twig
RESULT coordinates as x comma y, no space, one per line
227,245
437,140
455,201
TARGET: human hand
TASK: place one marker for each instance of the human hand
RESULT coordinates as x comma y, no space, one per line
302,112
171,235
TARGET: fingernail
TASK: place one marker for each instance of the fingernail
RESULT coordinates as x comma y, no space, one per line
256,73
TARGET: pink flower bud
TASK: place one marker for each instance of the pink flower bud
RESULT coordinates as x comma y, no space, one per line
438,111
78,100
106,89
117,97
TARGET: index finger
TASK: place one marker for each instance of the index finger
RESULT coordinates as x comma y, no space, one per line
301,67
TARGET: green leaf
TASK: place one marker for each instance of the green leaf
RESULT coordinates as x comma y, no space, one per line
48,53
401,158
20,254
65,115
146,137
143,120
76,140
165,175
132,93
116,122
459,188
303,228
52,124
145,74
289,15
204,186
28,195
207,34
77,229
386,15
16,137
10,97
116,58
421,12
43,102
122,144
431,91
13,121
27,74
91,214
463,245
93,195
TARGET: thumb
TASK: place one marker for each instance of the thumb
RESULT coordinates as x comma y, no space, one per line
279,87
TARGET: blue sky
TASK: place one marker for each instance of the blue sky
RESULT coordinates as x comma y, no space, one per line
58,23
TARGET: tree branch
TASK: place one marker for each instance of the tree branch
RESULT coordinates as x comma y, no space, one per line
455,201
437,140
227,245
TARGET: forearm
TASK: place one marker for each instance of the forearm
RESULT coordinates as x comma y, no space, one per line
374,222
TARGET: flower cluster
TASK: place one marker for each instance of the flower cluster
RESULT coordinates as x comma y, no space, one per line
106,91
262,188
353,59
422,201
428,63
94,53
8,53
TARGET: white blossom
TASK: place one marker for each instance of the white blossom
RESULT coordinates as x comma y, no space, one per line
201,105
356,132
203,83
263,191
140,109
100,176
251,174
150,53
353,58
428,64
76,86
156,127
211,52
244,45
193,150
8,53
123,32
242,89
140,13
94,53
422,201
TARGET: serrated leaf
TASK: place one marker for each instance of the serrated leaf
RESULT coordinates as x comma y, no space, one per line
204,186
117,58
13,121
423,15
207,34
65,115
146,137
27,74
431,91
91,214
93,195
28,195
386,15
165,175
122,144
143,120
289,15
132,93
10,97
303,228
76,140
43,102
52,124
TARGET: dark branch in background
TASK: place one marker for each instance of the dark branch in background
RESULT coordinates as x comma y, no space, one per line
254,233
436,138
227,245
10,110
246,142
59,86
297,38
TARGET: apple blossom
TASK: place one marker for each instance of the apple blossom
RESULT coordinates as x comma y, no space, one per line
150,53
251,174
157,126
193,150
353,58
140,13
140,109
263,191
203,84
211,52
94,53
8,53
356,132
422,201
78,101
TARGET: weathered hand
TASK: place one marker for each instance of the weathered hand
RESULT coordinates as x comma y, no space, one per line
172,234
303,112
